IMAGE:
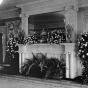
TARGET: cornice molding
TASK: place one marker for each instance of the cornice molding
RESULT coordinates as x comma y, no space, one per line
14,9
30,3
40,6
82,3
79,3
9,13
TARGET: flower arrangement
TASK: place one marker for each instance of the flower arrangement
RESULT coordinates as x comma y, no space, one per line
30,40
50,37
54,37
83,55
12,55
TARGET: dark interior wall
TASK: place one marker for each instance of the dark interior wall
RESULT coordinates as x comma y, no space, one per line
47,20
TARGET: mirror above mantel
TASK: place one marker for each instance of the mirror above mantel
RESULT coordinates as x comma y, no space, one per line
47,22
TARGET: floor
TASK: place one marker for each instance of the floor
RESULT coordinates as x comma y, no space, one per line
14,81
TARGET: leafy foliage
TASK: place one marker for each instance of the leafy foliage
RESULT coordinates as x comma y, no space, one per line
12,54
42,67
83,54
12,48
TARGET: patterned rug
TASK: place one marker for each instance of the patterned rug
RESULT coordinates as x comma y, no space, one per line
39,83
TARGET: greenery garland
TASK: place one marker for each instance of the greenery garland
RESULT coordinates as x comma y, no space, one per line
83,54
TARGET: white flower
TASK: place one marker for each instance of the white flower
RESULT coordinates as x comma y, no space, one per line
83,40
85,34
87,54
85,44
82,51
79,50
83,56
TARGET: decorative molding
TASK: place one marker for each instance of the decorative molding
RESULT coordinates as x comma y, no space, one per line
49,3
82,3
13,27
9,13
70,16
68,8
44,6
85,22
24,15
34,2
71,19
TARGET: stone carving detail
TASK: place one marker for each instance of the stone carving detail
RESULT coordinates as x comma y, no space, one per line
13,27
71,20
82,2
70,15
46,4
85,22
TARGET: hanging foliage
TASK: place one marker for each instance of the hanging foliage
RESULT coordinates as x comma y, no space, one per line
12,55
83,55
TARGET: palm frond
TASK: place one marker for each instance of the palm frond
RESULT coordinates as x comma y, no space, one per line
40,63
29,68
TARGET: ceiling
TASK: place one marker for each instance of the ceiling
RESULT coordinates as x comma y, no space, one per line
11,4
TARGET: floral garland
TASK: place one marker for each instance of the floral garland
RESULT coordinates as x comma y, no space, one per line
30,40
52,37
83,54
11,48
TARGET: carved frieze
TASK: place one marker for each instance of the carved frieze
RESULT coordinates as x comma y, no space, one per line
13,27
85,22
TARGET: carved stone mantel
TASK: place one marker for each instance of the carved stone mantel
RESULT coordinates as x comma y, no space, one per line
52,50
71,60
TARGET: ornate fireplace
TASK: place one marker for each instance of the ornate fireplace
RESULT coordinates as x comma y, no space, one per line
70,8
52,50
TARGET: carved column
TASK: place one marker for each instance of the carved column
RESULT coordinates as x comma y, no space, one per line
71,20
25,23
71,60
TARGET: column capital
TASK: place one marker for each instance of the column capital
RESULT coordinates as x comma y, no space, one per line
72,7
24,15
